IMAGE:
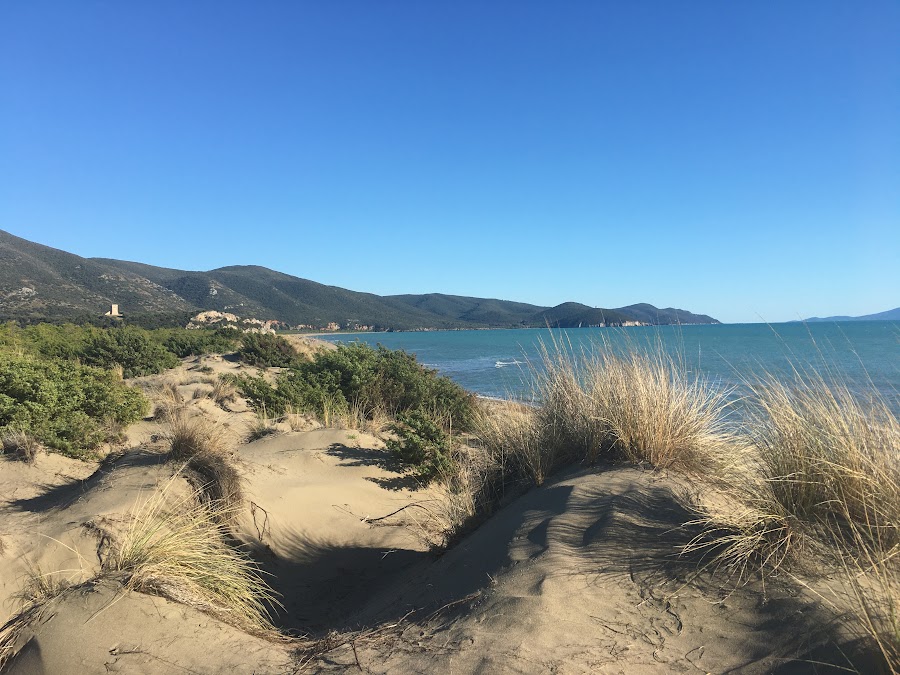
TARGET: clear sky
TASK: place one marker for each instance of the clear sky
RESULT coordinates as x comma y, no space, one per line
739,159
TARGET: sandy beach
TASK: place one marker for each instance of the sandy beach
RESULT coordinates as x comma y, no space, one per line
582,574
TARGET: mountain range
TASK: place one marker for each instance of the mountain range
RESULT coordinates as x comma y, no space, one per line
38,282
889,315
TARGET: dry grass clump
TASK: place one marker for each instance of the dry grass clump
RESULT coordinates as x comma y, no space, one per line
813,477
650,409
821,473
176,550
564,418
261,426
817,488
19,445
191,435
223,392
641,405
295,419
37,595
469,487
510,433
197,443
473,488
180,552
830,456
871,573
168,400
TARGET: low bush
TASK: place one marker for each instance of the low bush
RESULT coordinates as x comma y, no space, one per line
364,381
421,444
65,406
183,343
46,340
131,348
267,350
137,350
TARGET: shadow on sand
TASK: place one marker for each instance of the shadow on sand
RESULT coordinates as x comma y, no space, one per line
60,497
636,527
378,458
323,585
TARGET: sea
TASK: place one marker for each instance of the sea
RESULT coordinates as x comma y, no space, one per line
500,363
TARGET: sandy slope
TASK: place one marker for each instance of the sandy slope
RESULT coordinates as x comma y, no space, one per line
576,576
580,576
309,493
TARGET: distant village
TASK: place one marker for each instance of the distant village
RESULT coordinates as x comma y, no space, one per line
214,319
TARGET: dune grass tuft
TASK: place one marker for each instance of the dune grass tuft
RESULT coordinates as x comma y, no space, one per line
650,409
809,479
817,490
39,592
223,392
639,405
821,470
180,551
261,426
830,455
871,574
197,443
190,435
509,432
20,445
167,400
296,420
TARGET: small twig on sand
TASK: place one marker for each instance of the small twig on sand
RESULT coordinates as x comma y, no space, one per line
355,655
366,519
260,532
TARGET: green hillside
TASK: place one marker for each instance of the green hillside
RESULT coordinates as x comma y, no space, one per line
574,314
39,282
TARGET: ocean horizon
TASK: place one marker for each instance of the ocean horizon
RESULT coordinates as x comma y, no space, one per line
497,363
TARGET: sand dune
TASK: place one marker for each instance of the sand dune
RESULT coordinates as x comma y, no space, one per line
580,575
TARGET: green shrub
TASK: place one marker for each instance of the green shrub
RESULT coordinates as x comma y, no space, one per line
131,348
138,351
421,443
182,342
64,405
265,349
45,340
374,381
260,393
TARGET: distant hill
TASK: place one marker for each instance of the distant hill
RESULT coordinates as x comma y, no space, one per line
40,282
889,315
574,314
37,281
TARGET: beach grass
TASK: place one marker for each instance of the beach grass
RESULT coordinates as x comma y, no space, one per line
197,443
806,478
20,445
638,405
179,551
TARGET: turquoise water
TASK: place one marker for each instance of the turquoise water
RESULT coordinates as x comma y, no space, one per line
494,362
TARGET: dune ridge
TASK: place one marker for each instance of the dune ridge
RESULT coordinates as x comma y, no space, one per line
603,565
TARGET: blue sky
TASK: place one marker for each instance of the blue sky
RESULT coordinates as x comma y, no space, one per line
735,159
